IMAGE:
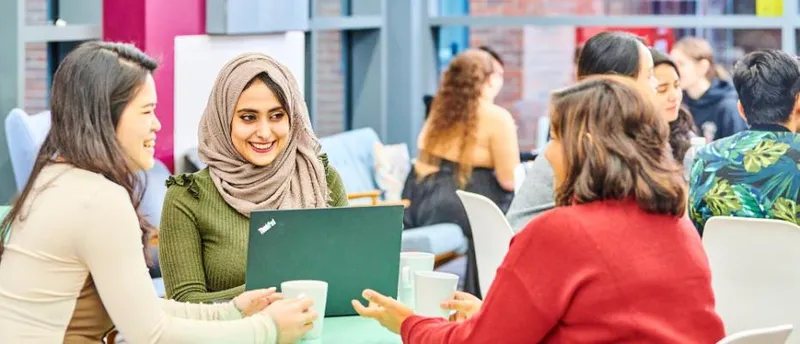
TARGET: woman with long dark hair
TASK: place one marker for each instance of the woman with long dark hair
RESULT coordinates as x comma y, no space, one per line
617,53
73,254
669,97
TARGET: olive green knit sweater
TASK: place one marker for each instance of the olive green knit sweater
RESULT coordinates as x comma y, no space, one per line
203,240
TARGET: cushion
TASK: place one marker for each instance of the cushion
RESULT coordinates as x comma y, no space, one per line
351,153
392,164
436,239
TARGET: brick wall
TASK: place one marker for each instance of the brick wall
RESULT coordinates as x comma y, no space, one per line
537,59
329,107
36,60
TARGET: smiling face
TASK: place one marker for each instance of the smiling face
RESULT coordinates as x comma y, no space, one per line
668,93
260,126
137,127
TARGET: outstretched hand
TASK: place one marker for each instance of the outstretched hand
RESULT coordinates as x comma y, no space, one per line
389,312
464,304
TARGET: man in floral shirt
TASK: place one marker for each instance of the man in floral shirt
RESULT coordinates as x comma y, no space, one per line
754,173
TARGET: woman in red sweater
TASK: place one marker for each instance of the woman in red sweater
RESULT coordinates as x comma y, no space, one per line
616,262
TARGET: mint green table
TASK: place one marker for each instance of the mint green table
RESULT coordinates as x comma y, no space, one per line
355,330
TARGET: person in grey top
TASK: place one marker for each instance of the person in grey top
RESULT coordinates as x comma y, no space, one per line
616,53
535,195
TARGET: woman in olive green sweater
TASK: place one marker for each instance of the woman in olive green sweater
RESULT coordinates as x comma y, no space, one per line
256,138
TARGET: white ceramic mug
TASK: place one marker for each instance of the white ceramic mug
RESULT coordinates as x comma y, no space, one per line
410,263
315,290
430,289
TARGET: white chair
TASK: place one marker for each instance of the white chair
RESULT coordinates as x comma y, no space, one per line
25,134
755,269
772,335
491,235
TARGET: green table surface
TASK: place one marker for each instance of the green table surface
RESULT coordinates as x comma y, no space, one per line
354,330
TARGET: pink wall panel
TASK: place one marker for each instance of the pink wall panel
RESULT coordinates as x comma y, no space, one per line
152,25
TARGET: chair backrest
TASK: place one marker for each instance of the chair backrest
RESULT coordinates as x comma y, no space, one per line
491,235
392,165
771,335
25,135
351,153
754,267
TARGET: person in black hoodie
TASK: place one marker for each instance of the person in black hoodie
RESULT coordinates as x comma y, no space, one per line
709,93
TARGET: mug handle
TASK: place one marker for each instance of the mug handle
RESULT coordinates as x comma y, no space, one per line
406,272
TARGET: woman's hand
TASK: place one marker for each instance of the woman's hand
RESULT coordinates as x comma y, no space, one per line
464,304
293,318
254,301
389,312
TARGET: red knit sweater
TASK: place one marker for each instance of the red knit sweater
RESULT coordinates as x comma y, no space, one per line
604,272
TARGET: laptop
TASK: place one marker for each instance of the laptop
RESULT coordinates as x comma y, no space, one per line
351,248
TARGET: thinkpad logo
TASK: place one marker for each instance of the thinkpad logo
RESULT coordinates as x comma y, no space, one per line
267,226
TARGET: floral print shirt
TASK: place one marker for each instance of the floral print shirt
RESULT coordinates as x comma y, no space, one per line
754,173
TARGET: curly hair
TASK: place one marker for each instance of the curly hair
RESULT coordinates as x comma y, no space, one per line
454,111
624,156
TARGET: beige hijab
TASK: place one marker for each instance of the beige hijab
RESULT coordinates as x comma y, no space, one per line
296,179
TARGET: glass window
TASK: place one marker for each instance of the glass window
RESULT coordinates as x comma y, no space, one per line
329,97
540,59
601,7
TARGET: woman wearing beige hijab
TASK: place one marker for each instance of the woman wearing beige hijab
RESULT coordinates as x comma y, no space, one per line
256,138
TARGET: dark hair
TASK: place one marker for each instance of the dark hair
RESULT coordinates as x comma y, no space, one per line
615,157
494,54
91,88
660,58
610,53
576,55
681,131
767,84
682,128
700,49
273,86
